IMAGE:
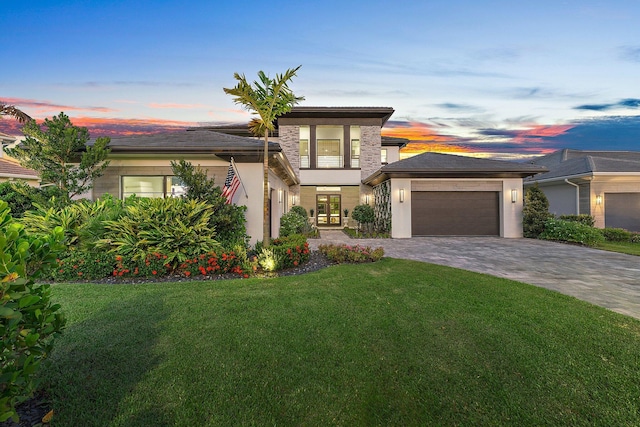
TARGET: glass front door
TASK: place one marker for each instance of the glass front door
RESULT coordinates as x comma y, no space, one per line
328,208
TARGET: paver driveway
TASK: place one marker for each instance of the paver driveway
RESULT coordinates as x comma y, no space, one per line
604,278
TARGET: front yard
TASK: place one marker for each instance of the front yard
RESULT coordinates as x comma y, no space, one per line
390,343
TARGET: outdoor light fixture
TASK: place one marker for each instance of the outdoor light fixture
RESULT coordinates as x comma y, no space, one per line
293,199
598,200
514,196
280,195
402,195
366,199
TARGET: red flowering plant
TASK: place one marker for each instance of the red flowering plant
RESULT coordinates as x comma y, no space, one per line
154,265
351,254
291,251
80,265
215,263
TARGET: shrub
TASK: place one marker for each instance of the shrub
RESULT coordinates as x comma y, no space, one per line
174,227
300,211
351,254
617,235
28,320
569,231
289,251
21,196
227,219
80,265
293,223
364,215
535,212
582,218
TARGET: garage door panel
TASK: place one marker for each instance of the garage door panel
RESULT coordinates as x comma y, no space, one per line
455,213
622,210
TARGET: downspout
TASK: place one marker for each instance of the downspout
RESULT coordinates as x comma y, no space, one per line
577,194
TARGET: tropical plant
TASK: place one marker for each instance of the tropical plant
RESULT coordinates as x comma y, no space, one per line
294,223
535,212
13,111
268,99
60,154
28,319
227,219
174,227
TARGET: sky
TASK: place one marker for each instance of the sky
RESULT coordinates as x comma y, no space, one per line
498,79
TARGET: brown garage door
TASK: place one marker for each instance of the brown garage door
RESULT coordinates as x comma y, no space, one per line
455,213
622,210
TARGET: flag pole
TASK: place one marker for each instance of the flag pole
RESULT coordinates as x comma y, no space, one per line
233,164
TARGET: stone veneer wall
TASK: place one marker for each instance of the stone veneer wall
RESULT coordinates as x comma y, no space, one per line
289,140
370,146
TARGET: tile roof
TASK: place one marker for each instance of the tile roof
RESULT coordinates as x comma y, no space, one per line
11,169
437,165
571,163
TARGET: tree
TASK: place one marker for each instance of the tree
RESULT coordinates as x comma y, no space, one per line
61,156
535,212
13,111
268,99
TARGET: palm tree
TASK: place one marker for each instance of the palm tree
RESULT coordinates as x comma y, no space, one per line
268,99
11,110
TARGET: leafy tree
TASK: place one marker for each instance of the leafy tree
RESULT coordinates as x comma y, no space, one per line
13,111
60,154
364,214
535,212
227,219
21,197
268,99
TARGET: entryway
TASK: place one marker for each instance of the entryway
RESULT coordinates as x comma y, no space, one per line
328,207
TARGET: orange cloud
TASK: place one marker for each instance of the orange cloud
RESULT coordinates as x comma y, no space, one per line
414,131
177,106
44,107
540,131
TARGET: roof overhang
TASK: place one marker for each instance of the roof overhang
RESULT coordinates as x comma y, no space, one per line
381,176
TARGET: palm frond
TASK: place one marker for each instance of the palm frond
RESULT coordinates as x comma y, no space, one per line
13,111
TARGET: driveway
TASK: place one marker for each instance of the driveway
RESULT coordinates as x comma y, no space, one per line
607,279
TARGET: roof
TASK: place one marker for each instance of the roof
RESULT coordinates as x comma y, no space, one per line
566,163
392,141
437,165
191,141
9,169
206,142
382,113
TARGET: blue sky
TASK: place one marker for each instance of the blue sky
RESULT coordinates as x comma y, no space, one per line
492,78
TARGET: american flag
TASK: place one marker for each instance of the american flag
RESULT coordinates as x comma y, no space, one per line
231,184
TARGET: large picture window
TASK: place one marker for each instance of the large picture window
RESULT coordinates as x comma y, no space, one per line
329,153
152,186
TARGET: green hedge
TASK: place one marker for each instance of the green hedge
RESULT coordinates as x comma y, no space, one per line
570,231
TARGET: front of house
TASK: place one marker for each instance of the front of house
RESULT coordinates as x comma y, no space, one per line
328,160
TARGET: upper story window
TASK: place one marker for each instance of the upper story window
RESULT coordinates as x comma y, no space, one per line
305,136
383,156
329,146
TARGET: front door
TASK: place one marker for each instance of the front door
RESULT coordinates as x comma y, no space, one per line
328,208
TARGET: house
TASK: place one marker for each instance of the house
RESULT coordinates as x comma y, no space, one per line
604,184
328,159
10,169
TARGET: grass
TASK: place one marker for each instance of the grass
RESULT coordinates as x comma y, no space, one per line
391,343
628,248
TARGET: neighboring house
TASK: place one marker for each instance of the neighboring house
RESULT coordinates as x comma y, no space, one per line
328,159
441,194
604,184
10,169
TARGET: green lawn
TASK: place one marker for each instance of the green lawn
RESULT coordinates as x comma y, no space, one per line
623,247
392,343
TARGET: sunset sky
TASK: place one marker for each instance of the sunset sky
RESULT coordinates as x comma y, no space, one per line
502,79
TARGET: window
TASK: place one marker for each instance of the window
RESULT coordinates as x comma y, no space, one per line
305,136
355,153
383,156
152,186
329,147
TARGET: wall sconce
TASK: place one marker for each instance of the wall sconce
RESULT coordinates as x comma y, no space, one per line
366,199
514,196
402,195
598,200
293,199
280,195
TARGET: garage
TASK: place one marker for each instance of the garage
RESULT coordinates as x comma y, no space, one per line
622,210
455,213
